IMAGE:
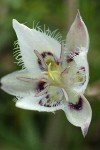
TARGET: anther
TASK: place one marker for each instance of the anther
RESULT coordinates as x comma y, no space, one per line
40,58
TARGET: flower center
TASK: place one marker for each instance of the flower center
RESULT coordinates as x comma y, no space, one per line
54,74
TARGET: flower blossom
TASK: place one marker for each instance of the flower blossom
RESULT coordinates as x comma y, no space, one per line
54,74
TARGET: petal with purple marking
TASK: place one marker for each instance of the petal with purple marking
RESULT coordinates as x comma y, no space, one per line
50,101
30,40
78,74
79,113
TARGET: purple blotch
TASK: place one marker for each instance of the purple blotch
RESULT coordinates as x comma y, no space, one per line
78,105
82,68
69,59
46,53
44,104
40,65
47,96
40,102
71,56
40,86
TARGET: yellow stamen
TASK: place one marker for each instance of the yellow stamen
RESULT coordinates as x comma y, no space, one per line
52,74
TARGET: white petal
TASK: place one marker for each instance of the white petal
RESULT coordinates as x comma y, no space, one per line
31,102
79,114
12,84
83,68
30,40
78,35
79,66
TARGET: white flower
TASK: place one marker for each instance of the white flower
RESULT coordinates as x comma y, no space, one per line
55,75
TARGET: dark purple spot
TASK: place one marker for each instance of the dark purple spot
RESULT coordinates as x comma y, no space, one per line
71,56
49,53
47,96
39,62
40,86
40,65
54,105
57,62
69,59
78,105
44,104
82,68
40,102
47,105
76,53
44,54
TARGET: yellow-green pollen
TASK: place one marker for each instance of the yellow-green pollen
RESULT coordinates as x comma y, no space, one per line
79,78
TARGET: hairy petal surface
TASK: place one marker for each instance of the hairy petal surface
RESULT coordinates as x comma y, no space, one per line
77,36
79,113
15,83
30,40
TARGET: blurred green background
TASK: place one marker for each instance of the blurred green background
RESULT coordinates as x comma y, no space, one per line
27,130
